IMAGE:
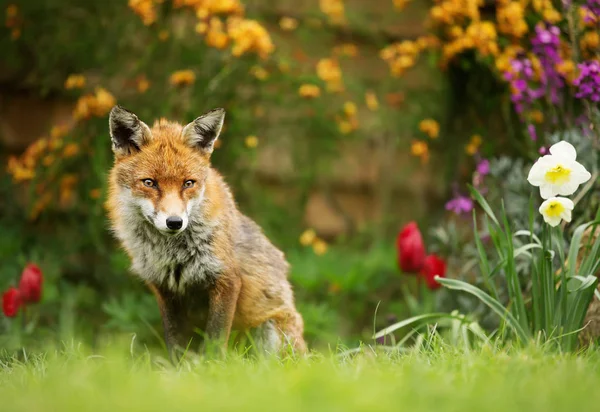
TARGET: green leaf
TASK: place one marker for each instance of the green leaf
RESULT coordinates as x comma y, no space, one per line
415,319
484,204
455,284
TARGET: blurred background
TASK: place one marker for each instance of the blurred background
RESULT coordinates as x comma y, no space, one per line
346,120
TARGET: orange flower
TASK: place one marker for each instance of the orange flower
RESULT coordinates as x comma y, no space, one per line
75,81
401,4
288,24
70,150
334,9
430,127
309,91
329,71
421,150
249,36
182,78
319,247
350,109
145,9
371,101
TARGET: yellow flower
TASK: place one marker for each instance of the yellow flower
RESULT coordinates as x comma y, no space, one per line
251,142
201,27
70,150
551,15
590,41
319,247
75,81
350,109
288,23
182,78
307,237
259,72
346,49
334,9
56,132
97,104
329,71
249,36
473,147
430,127
568,69
371,101
400,4
104,101
309,91
145,9
420,149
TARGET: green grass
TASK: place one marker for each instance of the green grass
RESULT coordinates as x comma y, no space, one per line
439,380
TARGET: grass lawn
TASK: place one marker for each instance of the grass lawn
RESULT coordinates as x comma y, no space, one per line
437,380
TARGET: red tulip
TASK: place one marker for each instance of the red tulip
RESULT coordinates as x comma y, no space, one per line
433,266
31,283
410,248
11,302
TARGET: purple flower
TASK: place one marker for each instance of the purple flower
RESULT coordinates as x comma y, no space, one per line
543,150
532,132
460,205
588,82
546,45
593,6
483,167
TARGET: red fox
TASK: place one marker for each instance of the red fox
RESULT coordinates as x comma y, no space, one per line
209,266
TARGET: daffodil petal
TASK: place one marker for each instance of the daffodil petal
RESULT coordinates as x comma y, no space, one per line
538,170
564,149
546,191
580,173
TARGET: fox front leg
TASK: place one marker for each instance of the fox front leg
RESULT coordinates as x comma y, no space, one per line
222,298
172,314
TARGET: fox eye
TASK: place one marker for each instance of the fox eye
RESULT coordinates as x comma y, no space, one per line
188,183
149,183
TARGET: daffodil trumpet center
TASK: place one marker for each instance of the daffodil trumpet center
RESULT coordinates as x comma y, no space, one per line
558,175
554,209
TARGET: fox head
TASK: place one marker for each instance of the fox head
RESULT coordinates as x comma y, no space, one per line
160,172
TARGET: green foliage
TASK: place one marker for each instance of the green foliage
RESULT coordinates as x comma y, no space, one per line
555,307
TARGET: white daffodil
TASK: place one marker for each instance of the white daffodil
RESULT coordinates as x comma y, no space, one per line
556,209
558,173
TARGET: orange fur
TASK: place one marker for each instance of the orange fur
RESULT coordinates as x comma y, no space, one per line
252,288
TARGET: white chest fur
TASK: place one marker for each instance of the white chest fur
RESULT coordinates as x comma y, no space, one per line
173,261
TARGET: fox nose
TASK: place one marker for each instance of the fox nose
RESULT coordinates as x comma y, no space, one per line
174,222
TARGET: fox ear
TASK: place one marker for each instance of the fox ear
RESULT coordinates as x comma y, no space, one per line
127,132
203,132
